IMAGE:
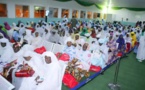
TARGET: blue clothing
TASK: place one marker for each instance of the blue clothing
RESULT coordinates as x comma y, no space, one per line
121,42
70,51
16,35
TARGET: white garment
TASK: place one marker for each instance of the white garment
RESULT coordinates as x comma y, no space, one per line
84,58
37,42
28,36
6,52
29,83
141,48
53,73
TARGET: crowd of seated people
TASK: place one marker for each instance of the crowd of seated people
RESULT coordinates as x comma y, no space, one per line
91,43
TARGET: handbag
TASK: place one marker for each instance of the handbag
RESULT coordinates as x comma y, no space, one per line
62,56
69,80
40,50
27,72
95,68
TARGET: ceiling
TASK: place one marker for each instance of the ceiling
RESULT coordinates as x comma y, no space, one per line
121,3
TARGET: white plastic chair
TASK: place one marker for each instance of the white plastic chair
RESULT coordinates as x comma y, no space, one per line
48,45
5,85
57,48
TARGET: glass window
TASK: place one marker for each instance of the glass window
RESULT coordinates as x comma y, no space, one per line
3,10
89,15
65,12
22,11
53,12
75,13
39,12
105,16
82,14
95,15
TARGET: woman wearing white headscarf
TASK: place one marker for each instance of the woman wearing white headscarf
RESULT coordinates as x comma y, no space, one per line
39,29
6,51
28,37
100,55
37,40
69,48
53,73
84,57
54,37
22,29
34,61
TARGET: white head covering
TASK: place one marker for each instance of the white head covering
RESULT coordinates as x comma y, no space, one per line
53,72
98,35
101,40
69,39
4,40
87,34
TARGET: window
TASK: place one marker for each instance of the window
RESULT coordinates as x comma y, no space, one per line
65,12
22,11
39,12
82,14
105,16
89,15
95,15
75,13
53,12
3,10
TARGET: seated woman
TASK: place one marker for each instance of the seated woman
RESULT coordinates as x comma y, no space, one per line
128,42
6,51
54,37
84,57
112,49
121,44
134,39
28,83
78,41
93,33
100,55
7,26
37,40
69,48
52,71
84,31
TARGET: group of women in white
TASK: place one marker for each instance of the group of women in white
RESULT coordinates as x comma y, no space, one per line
100,50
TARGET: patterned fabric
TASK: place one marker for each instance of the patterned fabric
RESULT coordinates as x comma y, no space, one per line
70,51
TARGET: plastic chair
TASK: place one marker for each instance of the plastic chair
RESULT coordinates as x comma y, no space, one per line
48,45
57,48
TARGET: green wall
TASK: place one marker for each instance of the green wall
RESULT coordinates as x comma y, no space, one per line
24,20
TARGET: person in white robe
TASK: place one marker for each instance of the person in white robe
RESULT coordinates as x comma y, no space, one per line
34,61
22,29
100,55
69,48
84,57
46,35
28,37
78,41
54,37
141,48
52,72
39,29
6,51
37,40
